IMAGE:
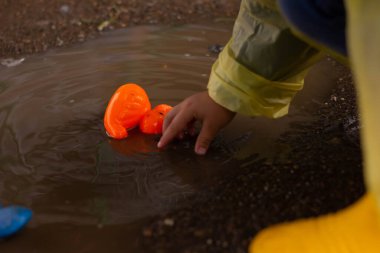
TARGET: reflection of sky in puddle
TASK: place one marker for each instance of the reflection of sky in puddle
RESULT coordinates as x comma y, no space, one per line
54,154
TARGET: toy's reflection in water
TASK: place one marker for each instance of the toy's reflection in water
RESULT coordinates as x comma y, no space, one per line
135,143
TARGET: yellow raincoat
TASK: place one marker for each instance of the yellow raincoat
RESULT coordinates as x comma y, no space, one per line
263,66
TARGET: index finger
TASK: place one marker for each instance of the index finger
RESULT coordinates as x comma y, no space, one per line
176,125
168,118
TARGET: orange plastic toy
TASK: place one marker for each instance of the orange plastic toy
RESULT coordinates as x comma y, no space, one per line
125,110
152,121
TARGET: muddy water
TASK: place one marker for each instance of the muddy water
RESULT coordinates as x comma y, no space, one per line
90,193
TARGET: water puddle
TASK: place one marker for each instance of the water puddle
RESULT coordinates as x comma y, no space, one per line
90,193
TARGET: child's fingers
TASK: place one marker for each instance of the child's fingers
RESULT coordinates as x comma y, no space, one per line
168,118
191,128
206,136
181,135
175,127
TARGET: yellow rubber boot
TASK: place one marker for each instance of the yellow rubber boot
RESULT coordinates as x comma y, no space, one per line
355,229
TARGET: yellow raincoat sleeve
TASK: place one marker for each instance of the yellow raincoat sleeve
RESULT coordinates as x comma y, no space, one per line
263,65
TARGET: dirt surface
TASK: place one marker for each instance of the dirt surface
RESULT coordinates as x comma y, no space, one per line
322,174
36,25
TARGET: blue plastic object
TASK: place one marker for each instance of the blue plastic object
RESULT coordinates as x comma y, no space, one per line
13,219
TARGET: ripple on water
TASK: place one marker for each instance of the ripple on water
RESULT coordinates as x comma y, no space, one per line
56,158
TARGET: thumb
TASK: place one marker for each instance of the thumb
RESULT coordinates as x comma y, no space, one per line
205,137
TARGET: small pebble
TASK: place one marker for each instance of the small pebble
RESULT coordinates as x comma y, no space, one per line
216,49
199,233
60,42
169,222
147,232
64,9
10,62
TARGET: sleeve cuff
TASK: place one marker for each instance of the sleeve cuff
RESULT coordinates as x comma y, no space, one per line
238,89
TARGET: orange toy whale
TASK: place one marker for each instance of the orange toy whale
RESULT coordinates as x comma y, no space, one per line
125,110
153,120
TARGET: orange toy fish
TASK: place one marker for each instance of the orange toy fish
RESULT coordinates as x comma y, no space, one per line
152,121
125,110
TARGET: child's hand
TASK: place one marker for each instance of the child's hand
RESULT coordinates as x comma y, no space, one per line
197,107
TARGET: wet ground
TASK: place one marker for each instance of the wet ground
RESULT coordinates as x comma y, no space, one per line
92,194
37,25
311,167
